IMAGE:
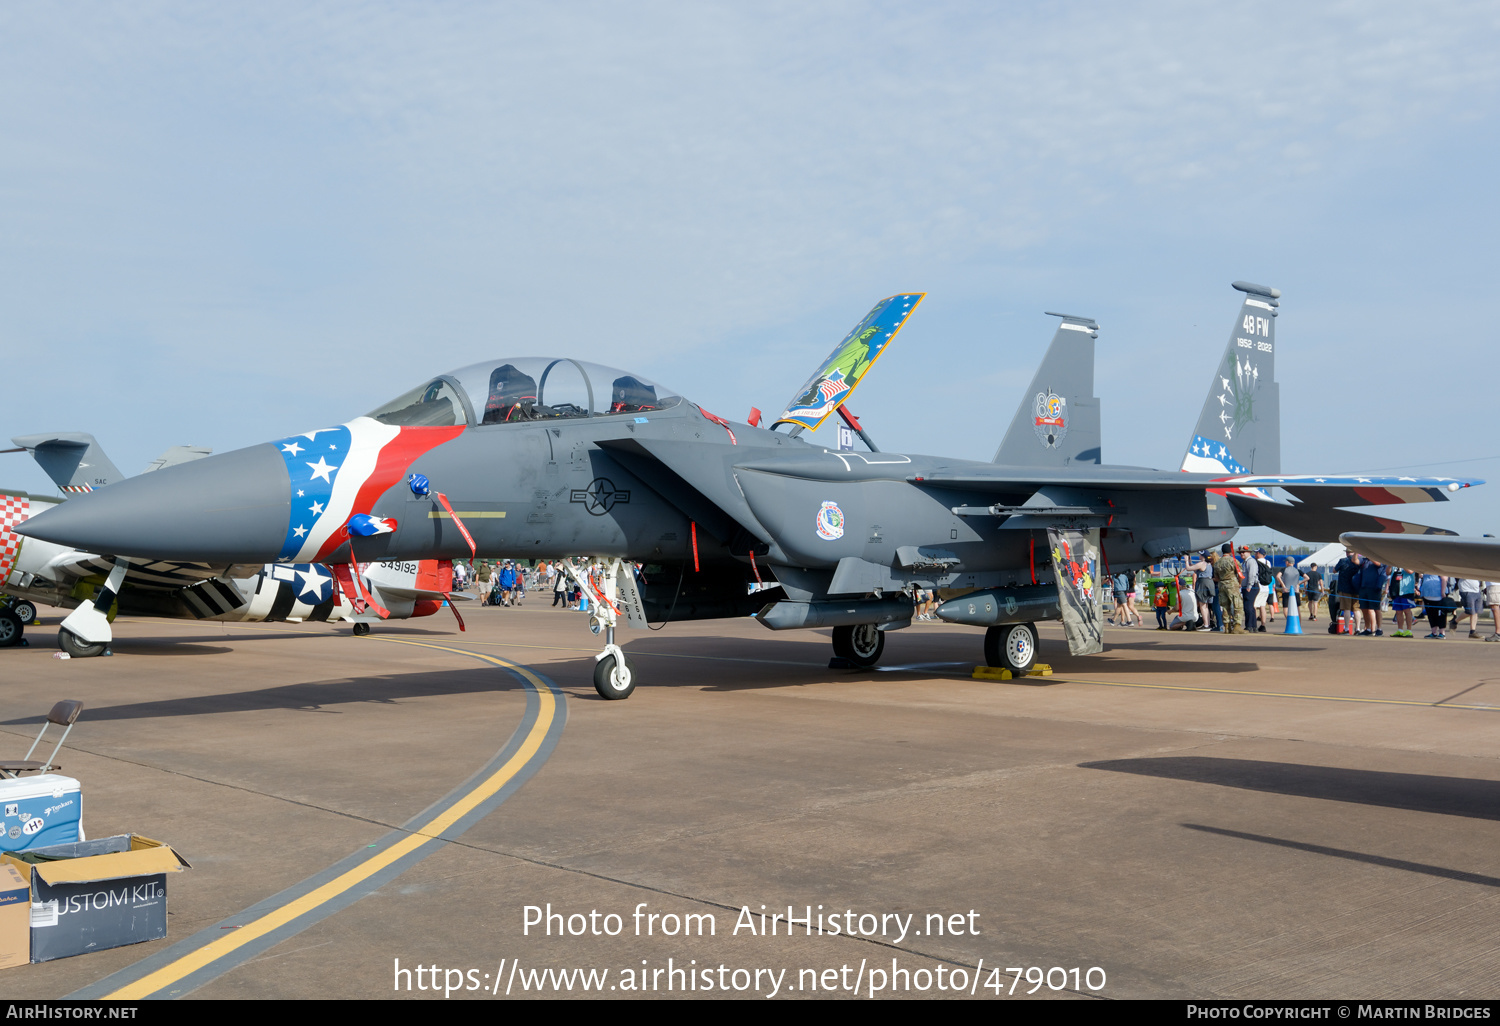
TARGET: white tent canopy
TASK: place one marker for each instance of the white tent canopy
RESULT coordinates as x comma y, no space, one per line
1326,556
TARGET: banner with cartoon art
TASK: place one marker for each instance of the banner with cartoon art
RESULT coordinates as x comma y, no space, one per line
836,379
1075,565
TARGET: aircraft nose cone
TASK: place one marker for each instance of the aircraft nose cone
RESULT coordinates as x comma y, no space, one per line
230,508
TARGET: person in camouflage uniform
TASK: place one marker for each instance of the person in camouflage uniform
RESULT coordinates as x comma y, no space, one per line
1227,580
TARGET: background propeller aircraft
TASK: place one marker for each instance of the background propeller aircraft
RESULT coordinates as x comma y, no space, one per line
34,571
552,457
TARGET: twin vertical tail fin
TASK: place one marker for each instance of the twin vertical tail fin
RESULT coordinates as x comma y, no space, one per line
1239,430
1057,424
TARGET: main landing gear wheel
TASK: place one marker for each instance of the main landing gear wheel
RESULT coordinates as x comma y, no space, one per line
77,647
26,611
361,629
614,680
11,628
860,644
1012,645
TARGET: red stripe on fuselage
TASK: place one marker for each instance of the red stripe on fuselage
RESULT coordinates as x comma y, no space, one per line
396,456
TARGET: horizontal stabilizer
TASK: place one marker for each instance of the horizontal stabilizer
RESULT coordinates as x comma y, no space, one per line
1477,558
1057,423
72,459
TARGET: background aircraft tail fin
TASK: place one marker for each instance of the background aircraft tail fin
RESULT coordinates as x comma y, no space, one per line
1239,430
1057,423
73,460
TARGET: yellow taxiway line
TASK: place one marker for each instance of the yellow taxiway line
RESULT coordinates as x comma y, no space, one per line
428,831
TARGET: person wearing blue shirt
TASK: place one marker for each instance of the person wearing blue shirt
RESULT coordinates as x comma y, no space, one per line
1402,590
1348,571
1371,583
1434,591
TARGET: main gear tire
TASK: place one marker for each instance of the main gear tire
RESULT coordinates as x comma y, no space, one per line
11,628
1011,645
361,629
860,644
612,681
25,610
77,647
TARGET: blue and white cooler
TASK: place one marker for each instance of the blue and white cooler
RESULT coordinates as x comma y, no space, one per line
40,810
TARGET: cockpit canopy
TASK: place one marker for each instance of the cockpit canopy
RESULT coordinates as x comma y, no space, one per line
522,389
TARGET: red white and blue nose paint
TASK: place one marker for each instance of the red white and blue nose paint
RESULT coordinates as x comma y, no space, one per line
338,473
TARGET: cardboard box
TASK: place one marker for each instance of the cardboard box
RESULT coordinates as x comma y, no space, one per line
42,810
92,895
15,917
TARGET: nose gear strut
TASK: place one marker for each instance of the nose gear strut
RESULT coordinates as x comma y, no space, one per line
611,592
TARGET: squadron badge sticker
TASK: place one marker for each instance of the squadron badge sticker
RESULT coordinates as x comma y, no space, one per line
1051,420
830,521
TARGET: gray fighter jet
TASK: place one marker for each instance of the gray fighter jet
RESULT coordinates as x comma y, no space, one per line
553,457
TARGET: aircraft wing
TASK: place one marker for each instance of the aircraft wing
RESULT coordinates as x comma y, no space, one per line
1477,558
1319,524
1359,490
1326,491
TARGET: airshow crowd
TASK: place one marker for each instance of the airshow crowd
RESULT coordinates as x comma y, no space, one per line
504,582
1231,591
1240,592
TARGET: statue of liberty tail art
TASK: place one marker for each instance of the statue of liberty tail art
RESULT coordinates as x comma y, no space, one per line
836,379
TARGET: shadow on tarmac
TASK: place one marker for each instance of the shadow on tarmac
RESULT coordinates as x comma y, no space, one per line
311,696
1110,661
1353,856
1451,796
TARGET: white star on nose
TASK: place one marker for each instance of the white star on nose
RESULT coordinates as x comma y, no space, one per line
322,469
316,508
300,531
292,448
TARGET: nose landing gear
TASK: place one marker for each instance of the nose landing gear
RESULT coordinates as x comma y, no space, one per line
611,593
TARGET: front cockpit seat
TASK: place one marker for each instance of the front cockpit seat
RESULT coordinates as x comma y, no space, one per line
631,395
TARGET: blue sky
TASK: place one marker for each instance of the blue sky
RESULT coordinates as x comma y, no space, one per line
221,224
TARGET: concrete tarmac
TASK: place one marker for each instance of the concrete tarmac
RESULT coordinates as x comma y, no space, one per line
1196,816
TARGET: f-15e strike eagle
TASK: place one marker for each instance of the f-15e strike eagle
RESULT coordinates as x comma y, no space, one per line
557,458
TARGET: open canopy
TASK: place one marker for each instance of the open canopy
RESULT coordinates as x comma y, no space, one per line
529,388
